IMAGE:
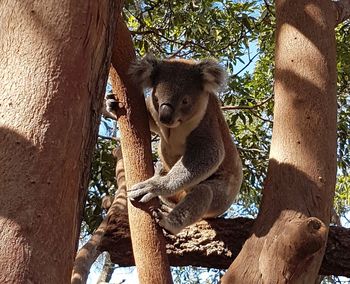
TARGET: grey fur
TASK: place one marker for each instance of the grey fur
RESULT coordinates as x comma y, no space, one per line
203,171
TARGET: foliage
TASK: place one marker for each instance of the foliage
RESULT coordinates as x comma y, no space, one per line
342,194
102,183
240,34
196,275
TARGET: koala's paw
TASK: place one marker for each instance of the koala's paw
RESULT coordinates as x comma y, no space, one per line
144,191
111,103
157,214
165,222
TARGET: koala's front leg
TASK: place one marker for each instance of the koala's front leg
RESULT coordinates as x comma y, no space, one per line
151,187
148,189
201,159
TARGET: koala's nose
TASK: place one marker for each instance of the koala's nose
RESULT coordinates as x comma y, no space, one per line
166,113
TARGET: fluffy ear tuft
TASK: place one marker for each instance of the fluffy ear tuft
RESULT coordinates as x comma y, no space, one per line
213,75
142,70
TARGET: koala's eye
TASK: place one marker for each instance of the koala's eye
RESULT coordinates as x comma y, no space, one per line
185,101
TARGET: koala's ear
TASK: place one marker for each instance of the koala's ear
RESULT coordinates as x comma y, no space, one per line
213,75
142,70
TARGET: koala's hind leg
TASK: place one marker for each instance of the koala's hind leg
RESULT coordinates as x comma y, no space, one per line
225,190
165,205
191,209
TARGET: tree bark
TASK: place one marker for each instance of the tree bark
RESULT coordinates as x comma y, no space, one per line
147,239
216,243
53,70
288,239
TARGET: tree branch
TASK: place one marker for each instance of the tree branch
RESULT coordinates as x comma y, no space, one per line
216,243
89,252
267,5
343,10
247,107
246,66
109,138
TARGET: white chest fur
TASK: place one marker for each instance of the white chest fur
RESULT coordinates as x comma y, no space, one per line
173,140
173,143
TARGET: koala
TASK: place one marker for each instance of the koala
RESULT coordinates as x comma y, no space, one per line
201,171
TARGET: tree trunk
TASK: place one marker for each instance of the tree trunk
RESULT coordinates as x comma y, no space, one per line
289,237
147,238
53,69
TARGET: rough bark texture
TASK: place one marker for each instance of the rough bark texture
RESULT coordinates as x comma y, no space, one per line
289,236
53,71
216,243
147,239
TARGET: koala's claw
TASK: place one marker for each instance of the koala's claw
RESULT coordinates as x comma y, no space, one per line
143,191
158,214
147,197
160,217
154,213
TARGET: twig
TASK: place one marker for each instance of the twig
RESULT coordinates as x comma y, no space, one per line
109,138
250,150
247,107
260,117
267,5
250,61
147,32
179,50
187,42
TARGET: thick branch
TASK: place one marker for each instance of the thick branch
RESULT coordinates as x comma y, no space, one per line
148,242
216,243
343,10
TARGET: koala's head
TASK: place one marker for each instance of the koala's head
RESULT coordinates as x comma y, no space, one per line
180,88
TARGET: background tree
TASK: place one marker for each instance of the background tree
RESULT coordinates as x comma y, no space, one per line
51,94
289,236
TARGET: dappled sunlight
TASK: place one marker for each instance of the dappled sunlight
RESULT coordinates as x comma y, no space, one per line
305,97
312,16
309,66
